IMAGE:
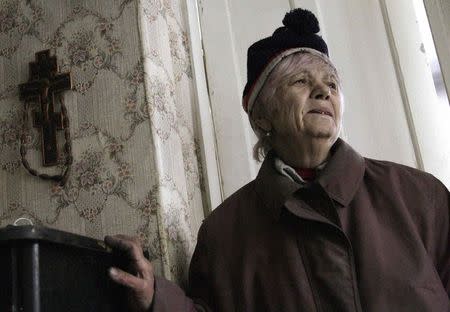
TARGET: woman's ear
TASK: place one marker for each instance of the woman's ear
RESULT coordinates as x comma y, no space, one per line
264,124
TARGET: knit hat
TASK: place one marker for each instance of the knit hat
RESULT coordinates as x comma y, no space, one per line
299,34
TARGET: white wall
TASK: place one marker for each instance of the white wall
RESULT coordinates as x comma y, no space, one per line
378,121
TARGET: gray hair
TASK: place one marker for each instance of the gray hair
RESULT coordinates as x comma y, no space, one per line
266,102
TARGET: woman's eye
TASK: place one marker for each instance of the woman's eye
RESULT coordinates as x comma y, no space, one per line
332,85
301,81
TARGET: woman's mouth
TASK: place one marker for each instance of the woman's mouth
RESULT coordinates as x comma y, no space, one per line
320,112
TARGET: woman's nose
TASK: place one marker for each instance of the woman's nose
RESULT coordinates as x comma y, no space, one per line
321,92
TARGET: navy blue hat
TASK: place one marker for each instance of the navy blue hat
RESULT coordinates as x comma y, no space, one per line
298,33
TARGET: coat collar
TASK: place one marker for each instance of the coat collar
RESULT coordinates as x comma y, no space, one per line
343,173
340,179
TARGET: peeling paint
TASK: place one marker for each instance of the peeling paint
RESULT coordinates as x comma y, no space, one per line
422,48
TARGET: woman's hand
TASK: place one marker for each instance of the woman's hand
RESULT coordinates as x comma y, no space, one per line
140,279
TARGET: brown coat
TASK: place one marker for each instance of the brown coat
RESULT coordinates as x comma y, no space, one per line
369,236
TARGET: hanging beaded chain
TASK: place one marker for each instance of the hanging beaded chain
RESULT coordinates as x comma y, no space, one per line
60,178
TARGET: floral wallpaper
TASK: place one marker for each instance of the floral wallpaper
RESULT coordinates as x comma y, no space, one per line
132,111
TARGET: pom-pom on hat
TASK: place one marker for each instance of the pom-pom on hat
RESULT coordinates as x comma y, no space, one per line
298,34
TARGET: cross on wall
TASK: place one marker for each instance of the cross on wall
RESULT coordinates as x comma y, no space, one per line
44,83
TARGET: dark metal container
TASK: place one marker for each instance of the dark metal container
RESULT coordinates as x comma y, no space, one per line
46,270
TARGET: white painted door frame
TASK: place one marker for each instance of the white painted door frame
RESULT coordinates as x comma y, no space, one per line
430,119
438,12
211,169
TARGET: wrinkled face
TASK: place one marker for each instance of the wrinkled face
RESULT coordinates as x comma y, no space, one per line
307,102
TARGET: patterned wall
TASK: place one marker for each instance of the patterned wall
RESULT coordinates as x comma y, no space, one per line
132,118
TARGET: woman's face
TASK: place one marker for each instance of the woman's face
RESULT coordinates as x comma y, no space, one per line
307,103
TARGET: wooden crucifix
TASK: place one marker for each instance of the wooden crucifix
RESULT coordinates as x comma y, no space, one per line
42,86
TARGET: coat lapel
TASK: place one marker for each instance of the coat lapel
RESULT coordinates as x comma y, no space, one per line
343,173
304,211
273,188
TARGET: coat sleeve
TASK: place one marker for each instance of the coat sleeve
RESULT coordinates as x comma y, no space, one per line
169,297
443,235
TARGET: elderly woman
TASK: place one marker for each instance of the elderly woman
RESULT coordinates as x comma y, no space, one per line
321,228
